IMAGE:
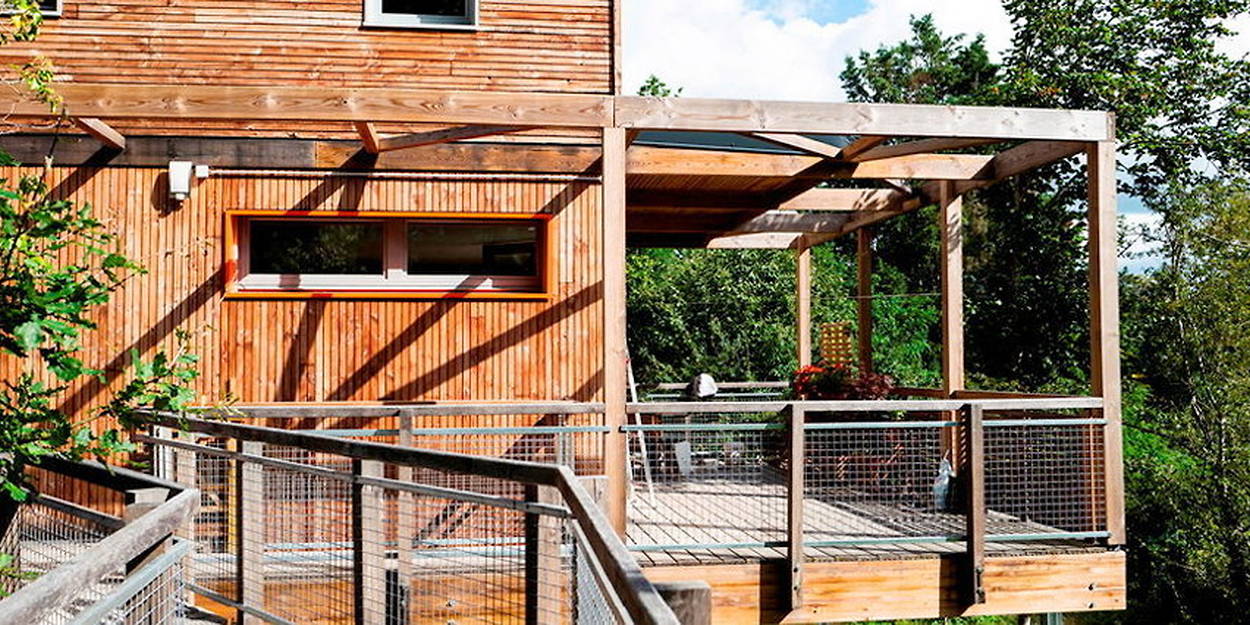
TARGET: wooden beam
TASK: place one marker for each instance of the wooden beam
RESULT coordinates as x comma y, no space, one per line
445,135
923,146
1021,159
795,495
102,132
860,119
848,200
803,300
800,142
788,221
725,223
757,241
974,514
1105,325
615,354
645,160
863,291
322,103
857,147
369,137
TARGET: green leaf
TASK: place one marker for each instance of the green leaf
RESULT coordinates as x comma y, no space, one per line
29,335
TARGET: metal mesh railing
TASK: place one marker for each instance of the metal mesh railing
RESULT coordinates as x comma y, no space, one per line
868,483
708,481
876,482
1044,476
327,538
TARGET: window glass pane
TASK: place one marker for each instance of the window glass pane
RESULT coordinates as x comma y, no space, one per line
494,249
316,247
449,8
47,6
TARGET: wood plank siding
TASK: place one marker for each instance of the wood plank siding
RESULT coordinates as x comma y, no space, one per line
341,350
519,45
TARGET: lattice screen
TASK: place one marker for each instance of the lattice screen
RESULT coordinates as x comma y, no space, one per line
836,343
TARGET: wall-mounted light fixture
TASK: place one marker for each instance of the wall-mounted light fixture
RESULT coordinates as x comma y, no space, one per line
180,173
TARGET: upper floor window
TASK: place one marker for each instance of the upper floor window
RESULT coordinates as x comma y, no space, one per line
48,8
387,255
421,13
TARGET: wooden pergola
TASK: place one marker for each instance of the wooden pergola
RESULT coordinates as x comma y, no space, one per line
675,197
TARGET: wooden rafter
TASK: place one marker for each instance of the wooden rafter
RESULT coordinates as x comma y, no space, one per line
102,132
369,137
445,135
799,142
922,146
857,147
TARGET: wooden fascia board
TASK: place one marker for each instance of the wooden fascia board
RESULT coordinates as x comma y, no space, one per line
861,119
102,132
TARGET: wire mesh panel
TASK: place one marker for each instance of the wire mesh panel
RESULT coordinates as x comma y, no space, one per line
1044,477
47,538
708,482
879,482
152,595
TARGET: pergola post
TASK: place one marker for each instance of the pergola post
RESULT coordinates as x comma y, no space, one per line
615,353
951,268
863,293
803,300
1104,309
951,261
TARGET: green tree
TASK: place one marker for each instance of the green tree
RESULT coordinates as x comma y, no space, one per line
1188,442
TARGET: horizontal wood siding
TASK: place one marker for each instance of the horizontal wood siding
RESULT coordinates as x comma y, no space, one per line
521,45
267,351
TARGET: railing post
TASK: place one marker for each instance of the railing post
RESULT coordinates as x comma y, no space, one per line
974,479
368,550
691,601
542,561
794,503
250,521
405,532
139,502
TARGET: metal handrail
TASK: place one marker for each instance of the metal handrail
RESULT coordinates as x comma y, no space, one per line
641,600
59,586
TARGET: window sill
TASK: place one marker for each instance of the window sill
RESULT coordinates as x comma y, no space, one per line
260,294
406,25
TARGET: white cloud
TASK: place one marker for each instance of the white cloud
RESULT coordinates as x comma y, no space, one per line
727,49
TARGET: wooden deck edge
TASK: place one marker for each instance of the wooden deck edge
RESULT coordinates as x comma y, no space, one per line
755,594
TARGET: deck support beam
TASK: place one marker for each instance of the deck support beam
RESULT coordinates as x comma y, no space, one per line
863,293
615,354
1104,332
803,300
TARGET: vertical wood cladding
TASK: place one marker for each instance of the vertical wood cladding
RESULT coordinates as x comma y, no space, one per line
341,350
520,45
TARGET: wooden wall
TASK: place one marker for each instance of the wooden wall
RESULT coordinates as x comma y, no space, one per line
318,350
521,45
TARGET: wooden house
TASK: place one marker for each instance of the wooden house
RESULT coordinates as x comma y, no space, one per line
362,204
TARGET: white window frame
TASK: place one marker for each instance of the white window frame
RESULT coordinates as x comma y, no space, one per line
394,276
374,16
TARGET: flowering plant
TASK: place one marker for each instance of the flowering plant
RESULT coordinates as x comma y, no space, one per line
840,381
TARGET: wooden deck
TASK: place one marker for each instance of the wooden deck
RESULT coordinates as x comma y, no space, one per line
730,512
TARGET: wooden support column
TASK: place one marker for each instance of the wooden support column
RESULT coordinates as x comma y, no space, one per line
615,353
863,291
1104,327
974,480
951,267
803,300
795,488
368,546
250,521
543,579
951,261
